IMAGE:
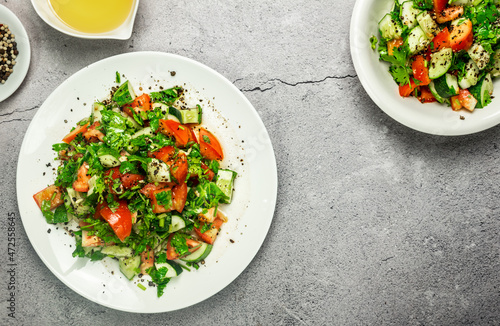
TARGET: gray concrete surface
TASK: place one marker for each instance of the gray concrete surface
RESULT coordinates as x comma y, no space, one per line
387,226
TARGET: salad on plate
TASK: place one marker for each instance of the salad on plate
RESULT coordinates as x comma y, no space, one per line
143,182
442,51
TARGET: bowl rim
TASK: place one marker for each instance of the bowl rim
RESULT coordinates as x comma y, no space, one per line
123,32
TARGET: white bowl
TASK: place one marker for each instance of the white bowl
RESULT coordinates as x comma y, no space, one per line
432,118
24,56
43,9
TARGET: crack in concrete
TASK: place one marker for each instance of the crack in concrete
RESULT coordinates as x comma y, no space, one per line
13,120
18,111
264,89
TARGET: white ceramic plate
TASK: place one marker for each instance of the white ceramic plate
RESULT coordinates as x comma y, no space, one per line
123,32
23,59
432,118
228,114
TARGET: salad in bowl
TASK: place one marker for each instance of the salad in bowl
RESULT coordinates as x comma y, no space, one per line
440,51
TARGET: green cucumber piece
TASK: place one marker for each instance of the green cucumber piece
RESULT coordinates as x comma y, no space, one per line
117,251
408,14
446,86
176,224
124,94
440,63
158,171
432,88
173,268
417,40
129,266
96,110
225,182
482,91
390,28
427,23
184,116
471,75
199,254
480,56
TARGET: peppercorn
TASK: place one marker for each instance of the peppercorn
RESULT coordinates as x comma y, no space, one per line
8,53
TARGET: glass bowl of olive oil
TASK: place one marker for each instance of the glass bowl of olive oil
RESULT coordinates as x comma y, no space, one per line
94,19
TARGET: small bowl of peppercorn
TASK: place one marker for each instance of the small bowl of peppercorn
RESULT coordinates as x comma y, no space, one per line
14,53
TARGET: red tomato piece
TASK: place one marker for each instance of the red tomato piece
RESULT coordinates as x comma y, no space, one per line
439,5
130,180
179,168
395,43
467,100
455,103
92,134
407,89
120,219
449,14
441,40
81,183
426,95
420,70
172,254
141,103
157,208
89,240
179,196
52,193
109,179
164,154
183,134
209,173
72,135
461,36
210,146
210,235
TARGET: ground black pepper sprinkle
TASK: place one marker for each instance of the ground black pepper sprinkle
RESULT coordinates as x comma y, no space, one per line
8,53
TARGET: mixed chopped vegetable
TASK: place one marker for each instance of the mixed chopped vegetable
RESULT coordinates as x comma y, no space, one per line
143,180
444,51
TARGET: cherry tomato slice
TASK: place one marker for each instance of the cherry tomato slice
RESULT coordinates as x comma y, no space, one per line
210,146
120,219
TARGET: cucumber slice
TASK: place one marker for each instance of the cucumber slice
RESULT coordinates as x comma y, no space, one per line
144,131
77,200
199,254
480,56
446,86
408,14
432,88
124,94
390,28
184,116
129,266
440,63
417,40
495,72
96,110
471,75
428,25
173,269
176,224
117,251
109,161
482,91
225,182
158,171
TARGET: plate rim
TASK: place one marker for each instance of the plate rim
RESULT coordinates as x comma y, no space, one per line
271,161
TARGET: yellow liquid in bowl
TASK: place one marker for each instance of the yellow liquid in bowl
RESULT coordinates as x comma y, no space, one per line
92,16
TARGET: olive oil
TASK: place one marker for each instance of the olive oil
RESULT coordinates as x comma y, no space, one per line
92,16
